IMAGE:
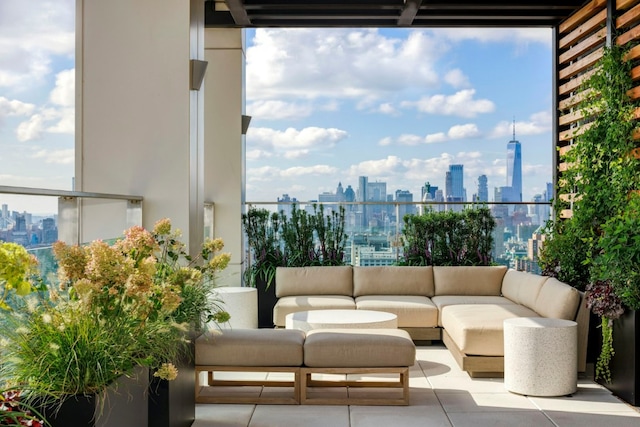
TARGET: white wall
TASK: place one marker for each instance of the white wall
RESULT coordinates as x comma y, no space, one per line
135,110
223,147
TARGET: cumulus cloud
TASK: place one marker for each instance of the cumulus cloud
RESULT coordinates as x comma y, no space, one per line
64,92
31,129
338,63
460,104
30,36
457,78
291,138
14,108
469,130
388,109
537,124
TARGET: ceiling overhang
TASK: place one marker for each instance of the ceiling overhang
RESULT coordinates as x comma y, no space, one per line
387,13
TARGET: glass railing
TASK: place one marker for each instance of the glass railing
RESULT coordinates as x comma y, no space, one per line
375,229
44,216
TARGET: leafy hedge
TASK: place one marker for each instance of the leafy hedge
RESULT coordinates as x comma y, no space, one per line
448,238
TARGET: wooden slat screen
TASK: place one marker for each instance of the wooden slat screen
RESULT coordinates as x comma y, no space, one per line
581,40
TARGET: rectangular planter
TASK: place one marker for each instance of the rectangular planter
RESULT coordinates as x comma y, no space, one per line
625,374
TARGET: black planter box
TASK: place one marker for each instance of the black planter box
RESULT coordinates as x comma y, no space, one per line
625,375
266,301
173,403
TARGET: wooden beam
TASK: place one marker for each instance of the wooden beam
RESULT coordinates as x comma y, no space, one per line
584,46
597,21
583,14
628,18
581,64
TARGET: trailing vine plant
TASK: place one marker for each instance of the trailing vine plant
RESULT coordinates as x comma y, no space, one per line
603,174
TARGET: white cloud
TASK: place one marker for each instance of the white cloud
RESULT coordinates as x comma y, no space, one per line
407,139
257,154
309,138
468,130
63,157
459,104
376,168
30,36
64,92
278,110
296,154
299,171
338,63
388,109
31,129
66,123
537,124
457,78
435,138
14,108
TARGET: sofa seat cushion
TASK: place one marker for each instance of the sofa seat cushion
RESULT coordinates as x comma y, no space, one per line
251,347
472,280
293,304
477,329
393,280
412,311
358,348
444,300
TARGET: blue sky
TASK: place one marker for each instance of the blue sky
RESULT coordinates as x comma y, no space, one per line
328,105
398,106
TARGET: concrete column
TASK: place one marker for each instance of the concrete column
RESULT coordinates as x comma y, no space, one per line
224,143
138,127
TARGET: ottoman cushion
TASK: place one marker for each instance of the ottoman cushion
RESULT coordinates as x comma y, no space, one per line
251,347
361,348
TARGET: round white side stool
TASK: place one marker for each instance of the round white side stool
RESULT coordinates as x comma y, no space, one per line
540,356
241,303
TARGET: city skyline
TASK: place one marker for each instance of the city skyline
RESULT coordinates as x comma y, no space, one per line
398,105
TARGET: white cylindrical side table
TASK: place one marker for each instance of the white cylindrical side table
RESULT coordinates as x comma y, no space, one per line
242,304
540,356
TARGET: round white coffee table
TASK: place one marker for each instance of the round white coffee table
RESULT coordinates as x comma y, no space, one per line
326,319
540,356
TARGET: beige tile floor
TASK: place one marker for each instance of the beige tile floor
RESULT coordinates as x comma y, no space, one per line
441,395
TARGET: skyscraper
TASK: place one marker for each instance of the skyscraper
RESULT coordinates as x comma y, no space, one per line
455,183
514,169
483,189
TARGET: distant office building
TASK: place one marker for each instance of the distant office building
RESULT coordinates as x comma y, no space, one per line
404,196
361,196
454,186
49,231
284,204
514,168
483,189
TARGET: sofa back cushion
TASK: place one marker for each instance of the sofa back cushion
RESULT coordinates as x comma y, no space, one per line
334,280
393,280
463,280
558,300
522,288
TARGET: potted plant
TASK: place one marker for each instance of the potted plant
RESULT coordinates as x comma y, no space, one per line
277,241
448,238
265,255
117,308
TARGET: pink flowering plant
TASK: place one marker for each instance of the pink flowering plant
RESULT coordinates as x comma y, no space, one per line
115,307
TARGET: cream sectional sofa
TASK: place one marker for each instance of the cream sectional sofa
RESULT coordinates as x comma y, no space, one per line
465,307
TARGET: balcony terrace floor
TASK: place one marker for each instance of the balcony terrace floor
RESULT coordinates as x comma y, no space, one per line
441,395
